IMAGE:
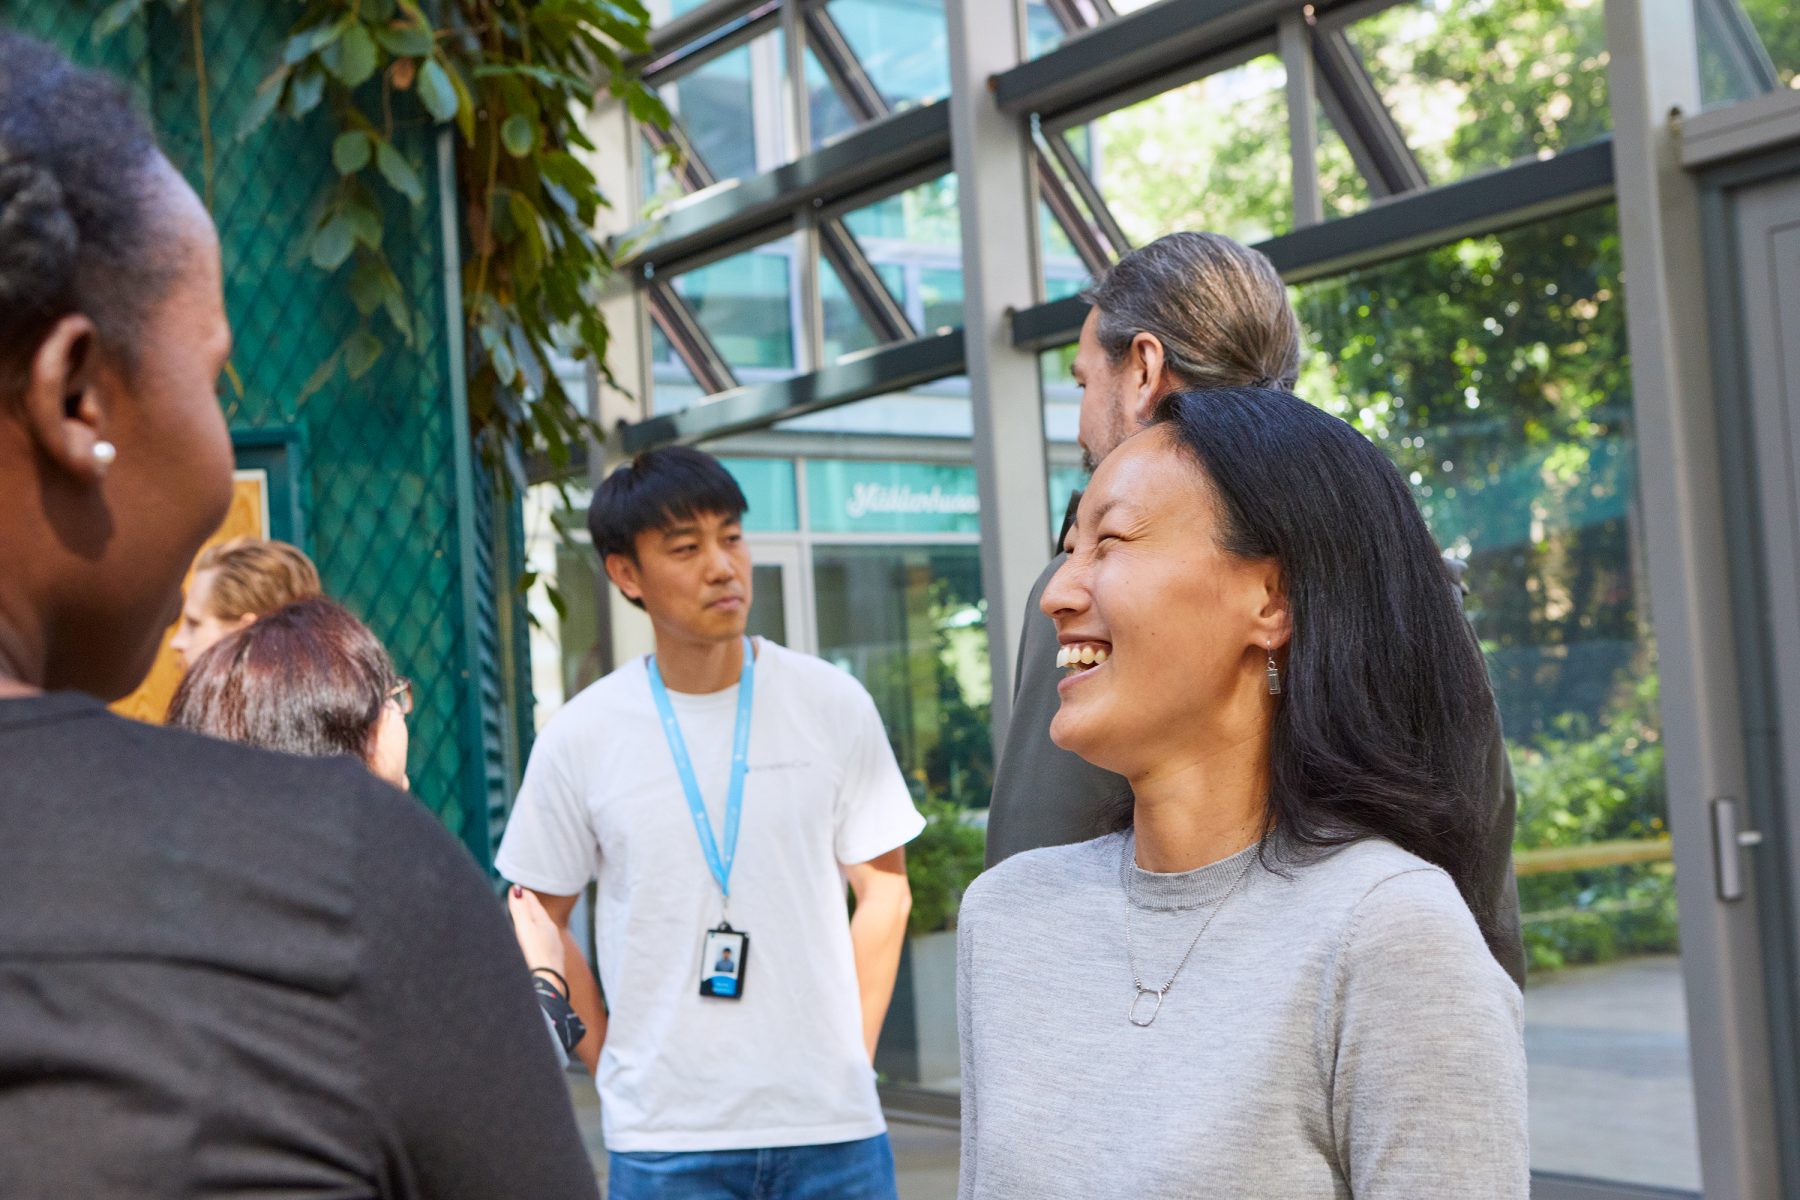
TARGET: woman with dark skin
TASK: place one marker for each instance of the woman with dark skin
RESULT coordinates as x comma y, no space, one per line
223,972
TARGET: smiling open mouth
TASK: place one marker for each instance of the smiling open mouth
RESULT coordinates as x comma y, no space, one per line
1082,656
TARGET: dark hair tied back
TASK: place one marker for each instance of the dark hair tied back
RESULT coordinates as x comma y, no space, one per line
76,207
1386,714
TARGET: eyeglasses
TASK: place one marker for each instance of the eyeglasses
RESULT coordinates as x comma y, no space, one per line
401,696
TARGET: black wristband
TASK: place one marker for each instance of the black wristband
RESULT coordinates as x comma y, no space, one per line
556,975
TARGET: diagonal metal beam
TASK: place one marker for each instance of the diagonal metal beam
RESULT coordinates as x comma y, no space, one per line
692,344
1095,254
873,301
662,68
845,71
1361,117
866,103
1077,15
1059,148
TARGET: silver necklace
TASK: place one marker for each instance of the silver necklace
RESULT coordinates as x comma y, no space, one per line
1137,981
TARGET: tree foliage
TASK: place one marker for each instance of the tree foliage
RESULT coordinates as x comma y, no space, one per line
513,80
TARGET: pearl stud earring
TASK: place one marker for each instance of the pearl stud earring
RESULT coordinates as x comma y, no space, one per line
105,454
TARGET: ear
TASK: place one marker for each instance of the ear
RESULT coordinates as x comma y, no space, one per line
63,406
243,622
1145,360
1273,624
624,575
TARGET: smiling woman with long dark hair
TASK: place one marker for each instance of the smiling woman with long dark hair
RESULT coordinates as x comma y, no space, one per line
1268,983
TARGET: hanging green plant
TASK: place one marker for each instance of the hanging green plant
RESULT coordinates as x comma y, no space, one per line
514,78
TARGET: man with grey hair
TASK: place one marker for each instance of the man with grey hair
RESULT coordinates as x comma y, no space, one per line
1187,311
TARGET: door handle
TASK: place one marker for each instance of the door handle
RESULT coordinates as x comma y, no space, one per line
1729,843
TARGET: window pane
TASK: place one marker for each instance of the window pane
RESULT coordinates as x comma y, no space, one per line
914,240
1062,413
903,46
664,11
1479,84
846,332
745,304
672,385
1494,372
715,104
1212,154
731,108
1064,272
1747,48
1044,32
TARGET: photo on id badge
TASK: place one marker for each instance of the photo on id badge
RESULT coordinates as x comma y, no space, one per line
722,963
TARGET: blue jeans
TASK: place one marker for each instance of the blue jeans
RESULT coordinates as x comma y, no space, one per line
838,1171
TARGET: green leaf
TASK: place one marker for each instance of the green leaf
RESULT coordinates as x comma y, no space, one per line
332,244
308,42
365,220
353,58
368,287
361,353
518,135
268,95
116,17
436,92
399,173
321,376
406,41
306,91
350,152
505,369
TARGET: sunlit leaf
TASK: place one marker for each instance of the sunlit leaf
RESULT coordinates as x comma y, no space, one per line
398,172
436,92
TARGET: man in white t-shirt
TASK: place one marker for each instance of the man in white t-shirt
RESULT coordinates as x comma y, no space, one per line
722,790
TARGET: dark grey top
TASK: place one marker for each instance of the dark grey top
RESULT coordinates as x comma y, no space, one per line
230,973
1046,796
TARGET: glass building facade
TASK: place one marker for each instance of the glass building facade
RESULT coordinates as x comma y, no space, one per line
1454,189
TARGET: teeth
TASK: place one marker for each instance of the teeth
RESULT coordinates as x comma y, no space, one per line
1077,657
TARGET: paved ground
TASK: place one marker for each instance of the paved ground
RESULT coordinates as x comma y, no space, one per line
1612,1096
1612,1093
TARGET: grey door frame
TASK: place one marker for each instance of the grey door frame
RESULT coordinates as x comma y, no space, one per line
1768,798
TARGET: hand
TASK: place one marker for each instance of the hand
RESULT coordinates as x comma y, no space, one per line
539,936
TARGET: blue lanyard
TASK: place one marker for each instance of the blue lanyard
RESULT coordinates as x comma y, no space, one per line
684,766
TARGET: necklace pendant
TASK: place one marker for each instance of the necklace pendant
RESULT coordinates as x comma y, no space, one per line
1137,1005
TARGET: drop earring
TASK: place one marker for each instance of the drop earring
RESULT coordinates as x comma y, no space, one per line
105,454
1274,673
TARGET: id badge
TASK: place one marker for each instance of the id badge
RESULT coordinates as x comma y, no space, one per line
723,957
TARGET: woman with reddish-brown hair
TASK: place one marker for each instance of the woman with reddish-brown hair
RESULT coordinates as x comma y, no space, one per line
306,679
312,679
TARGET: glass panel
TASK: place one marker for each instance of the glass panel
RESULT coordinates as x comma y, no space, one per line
903,46
1494,372
731,109
829,118
846,332
883,496
1747,48
1212,154
914,240
1062,415
1044,32
1341,184
1479,84
672,385
745,303
911,623
768,485
664,11
768,615
1064,272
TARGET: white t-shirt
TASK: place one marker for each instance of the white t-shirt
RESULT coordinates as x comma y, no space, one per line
784,1065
